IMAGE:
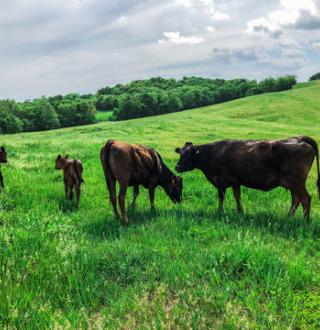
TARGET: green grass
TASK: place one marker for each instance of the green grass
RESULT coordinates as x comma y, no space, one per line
177,267
103,116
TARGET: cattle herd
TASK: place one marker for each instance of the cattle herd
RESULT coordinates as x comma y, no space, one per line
258,164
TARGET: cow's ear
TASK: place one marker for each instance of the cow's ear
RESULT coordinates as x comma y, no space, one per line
177,150
197,151
2,149
188,144
66,156
59,156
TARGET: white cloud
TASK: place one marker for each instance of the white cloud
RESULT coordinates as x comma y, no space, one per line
177,38
211,9
184,3
122,18
291,13
265,26
316,46
79,46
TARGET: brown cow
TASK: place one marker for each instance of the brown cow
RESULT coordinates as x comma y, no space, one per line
3,159
134,165
261,165
72,175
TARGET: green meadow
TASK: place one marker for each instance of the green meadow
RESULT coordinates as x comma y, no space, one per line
103,116
177,267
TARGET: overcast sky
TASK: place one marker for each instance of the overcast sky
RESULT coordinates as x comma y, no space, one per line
61,46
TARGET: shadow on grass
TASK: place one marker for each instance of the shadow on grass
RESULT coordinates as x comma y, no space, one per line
67,206
279,225
103,229
110,228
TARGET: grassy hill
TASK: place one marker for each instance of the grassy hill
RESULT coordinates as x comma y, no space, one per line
177,267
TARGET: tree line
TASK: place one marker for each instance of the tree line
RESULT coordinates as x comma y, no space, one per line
139,98
45,113
158,95
316,76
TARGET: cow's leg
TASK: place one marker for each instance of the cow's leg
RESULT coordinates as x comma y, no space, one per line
294,204
78,192
305,200
1,181
151,196
135,195
70,185
122,200
111,184
221,194
237,196
66,189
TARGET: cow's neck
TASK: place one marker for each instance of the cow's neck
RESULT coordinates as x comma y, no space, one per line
202,163
165,175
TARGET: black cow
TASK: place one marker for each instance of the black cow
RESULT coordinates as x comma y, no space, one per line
261,165
3,159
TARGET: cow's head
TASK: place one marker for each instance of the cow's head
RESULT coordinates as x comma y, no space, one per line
174,189
61,161
188,157
3,155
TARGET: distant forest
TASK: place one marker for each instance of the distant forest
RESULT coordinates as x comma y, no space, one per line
139,98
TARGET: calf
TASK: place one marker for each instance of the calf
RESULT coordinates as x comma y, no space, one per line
3,159
134,165
72,175
261,165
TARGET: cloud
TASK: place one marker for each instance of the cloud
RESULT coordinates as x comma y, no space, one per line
229,55
176,38
288,55
210,8
62,46
316,46
307,21
265,26
184,3
290,14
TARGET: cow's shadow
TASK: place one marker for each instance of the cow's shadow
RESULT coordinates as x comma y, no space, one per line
274,224
107,227
103,228
67,206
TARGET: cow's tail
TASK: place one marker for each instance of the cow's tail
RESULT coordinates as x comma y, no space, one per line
314,145
104,157
78,169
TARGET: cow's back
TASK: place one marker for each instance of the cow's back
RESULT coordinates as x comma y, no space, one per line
131,162
259,164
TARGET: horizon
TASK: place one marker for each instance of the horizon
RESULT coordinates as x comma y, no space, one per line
126,83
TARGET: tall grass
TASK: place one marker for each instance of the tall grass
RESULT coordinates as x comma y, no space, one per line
176,267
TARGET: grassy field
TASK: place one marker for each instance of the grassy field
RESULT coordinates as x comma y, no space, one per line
180,266
103,116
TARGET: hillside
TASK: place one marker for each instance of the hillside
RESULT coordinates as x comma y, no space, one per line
180,266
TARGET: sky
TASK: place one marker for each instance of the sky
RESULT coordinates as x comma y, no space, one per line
63,46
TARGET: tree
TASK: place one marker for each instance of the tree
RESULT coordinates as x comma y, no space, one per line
9,122
106,102
315,77
285,83
268,85
39,114
48,118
